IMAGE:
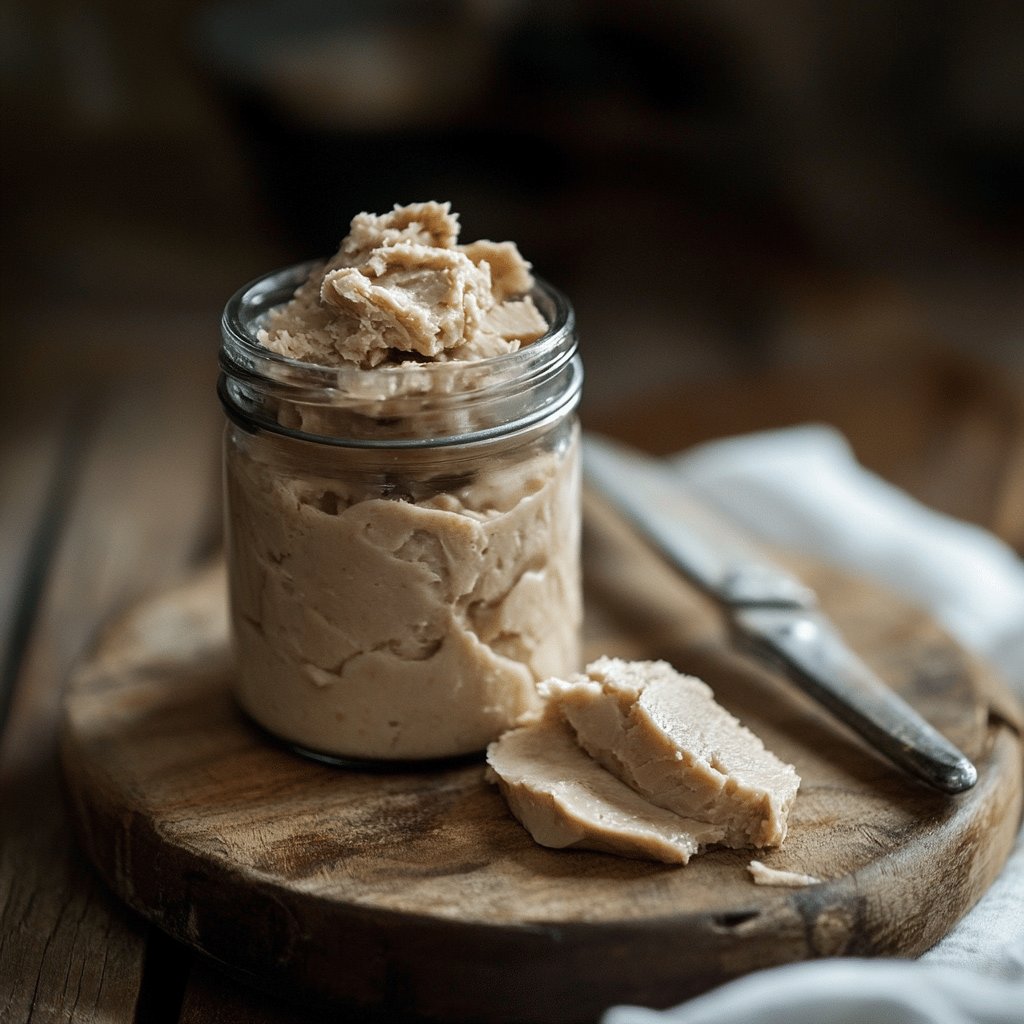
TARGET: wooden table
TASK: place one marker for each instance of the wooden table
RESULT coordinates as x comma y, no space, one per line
108,491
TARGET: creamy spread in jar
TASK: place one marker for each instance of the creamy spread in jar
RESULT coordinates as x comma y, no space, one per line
402,491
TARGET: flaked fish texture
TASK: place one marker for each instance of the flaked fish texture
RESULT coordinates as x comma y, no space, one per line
663,734
401,288
564,798
635,758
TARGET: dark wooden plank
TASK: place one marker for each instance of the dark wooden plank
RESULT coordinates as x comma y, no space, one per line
214,998
976,433
1008,514
945,429
36,466
140,511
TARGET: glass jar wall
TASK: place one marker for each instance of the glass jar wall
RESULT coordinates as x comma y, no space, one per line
402,542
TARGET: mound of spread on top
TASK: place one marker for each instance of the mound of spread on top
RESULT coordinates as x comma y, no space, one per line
689,767
401,288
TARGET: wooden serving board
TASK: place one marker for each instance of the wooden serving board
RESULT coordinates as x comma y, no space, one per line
412,893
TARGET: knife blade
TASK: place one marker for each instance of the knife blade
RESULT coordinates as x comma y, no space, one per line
771,611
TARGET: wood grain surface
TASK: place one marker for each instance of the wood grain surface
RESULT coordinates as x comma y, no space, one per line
411,892
110,502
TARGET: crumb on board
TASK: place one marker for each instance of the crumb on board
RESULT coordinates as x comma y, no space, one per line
764,875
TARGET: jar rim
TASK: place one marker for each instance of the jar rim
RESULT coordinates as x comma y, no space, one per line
242,352
397,405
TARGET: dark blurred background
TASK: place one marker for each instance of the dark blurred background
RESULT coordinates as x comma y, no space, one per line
719,186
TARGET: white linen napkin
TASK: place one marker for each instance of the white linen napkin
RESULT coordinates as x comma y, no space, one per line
803,489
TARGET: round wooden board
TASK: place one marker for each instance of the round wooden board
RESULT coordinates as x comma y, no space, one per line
413,893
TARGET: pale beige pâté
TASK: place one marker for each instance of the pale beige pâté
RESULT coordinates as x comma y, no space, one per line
401,287
566,799
664,735
402,629
641,728
402,611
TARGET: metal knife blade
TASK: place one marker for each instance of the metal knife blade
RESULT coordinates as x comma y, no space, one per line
774,614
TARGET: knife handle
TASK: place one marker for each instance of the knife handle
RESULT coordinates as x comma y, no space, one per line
815,657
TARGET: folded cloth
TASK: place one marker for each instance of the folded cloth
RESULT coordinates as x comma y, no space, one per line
847,992
802,488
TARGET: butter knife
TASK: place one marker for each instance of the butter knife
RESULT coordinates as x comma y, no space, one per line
775,616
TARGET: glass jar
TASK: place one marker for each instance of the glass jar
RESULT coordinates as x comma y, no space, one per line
402,542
